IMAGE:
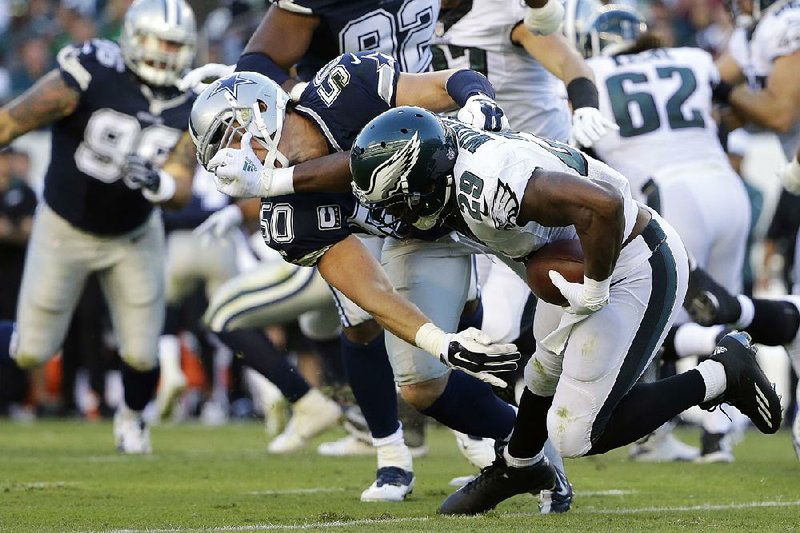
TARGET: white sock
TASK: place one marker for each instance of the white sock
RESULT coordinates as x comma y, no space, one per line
169,354
693,339
517,462
713,374
748,311
392,451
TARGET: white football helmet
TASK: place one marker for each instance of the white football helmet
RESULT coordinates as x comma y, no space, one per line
158,40
235,104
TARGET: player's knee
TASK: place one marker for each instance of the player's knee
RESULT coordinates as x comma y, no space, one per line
27,361
139,361
420,396
568,431
540,378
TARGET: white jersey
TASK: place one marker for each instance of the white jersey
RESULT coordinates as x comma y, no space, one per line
480,38
776,34
661,100
491,173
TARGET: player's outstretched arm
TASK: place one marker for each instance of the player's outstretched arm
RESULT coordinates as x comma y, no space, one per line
47,101
181,165
349,267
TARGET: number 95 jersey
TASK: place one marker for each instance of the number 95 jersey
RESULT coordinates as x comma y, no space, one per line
117,115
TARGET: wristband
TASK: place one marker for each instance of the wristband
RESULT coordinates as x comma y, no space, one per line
596,292
582,92
282,181
465,83
262,64
166,189
431,339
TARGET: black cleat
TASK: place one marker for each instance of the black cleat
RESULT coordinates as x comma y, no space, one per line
747,389
708,302
498,482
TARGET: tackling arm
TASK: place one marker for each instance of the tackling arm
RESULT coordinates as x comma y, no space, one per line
181,165
593,207
49,100
554,53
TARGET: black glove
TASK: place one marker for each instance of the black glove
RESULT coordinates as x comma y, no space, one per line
140,173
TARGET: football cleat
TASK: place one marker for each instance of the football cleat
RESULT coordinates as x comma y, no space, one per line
392,484
312,414
716,448
498,482
559,498
662,446
131,433
478,451
747,388
346,446
708,302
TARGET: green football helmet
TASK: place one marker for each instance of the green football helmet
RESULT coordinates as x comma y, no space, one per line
402,163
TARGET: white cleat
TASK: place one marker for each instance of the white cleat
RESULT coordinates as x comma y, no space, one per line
312,414
131,433
392,484
478,451
716,448
663,447
346,446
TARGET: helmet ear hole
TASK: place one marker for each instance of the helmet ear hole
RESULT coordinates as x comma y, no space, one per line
262,106
404,130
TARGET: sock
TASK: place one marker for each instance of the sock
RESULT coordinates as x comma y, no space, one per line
521,462
172,320
747,312
713,377
470,406
646,407
257,352
392,451
372,381
774,322
13,380
692,340
139,387
6,332
330,351
530,427
472,319
169,354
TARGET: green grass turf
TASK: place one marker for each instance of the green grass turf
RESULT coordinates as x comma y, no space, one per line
65,476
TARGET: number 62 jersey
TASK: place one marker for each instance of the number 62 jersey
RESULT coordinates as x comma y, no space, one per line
116,115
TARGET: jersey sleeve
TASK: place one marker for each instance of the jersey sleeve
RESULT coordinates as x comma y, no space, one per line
84,67
303,227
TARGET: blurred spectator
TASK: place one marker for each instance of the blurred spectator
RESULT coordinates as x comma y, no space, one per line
35,62
112,18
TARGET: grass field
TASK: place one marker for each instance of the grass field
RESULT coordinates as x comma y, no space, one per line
64,476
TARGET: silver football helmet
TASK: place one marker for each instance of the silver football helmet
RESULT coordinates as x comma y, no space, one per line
238,103
158,40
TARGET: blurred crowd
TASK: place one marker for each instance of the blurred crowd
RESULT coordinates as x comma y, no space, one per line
31,34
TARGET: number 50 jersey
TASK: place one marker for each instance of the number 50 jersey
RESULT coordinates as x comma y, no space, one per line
661,100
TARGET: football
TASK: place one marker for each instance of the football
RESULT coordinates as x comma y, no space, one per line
565,257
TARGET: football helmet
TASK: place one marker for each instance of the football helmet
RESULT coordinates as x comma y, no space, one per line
747,13
612,29
402,161
238,103
158,40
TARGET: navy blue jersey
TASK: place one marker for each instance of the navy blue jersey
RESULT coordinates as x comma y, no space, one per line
341,99
116,116
399,28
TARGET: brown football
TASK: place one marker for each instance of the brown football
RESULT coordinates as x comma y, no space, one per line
565,257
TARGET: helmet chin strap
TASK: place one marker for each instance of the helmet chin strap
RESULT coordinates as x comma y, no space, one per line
272,147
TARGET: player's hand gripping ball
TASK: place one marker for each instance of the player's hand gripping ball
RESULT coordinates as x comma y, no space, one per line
566,258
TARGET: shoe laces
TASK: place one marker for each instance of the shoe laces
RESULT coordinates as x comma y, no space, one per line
487,474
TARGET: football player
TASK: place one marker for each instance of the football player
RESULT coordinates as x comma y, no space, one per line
668,147
116,115
513,193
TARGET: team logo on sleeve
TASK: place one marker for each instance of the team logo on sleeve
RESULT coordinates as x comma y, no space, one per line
505,207
329,217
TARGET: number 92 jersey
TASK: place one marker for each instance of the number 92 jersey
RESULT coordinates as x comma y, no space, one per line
116,116
399,28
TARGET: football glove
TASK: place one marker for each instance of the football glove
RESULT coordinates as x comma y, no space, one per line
584,298
239,173
470,351
790,176
544,20
482,112
219,223
194,79
589,125
139,173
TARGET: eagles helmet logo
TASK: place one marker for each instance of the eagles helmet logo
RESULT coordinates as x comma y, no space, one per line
392,174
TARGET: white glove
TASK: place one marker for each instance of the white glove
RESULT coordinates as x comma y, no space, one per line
482,112
238,171
297,91
790,176
194,78
589,125
219,223
470,351
546,19
584,298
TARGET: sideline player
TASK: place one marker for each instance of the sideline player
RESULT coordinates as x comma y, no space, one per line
515,192
115,114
